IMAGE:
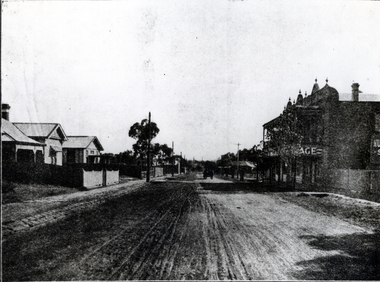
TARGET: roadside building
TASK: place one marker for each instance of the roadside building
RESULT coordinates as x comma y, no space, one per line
320,136
16,146
82,149
50,134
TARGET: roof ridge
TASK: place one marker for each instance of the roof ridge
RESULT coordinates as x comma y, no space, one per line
80,135
36,122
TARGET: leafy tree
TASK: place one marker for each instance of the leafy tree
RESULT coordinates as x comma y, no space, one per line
253,155
126,157
226,159
140,132
162,152
284,136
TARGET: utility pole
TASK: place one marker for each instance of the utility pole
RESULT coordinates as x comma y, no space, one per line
148,158
180,160
237,175
173,158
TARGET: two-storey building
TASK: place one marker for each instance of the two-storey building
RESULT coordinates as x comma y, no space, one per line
323,134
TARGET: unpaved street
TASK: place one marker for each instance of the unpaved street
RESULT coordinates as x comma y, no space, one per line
195,230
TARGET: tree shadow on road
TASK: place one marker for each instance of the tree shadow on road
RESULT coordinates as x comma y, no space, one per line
358,258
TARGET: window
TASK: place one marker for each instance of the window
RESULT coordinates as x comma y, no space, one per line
71,155
25,156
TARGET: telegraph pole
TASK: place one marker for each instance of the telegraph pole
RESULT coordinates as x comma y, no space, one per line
173,158
238,161
148,158
180,160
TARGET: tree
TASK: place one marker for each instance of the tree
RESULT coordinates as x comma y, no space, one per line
140,132
284,137
126,157
162,152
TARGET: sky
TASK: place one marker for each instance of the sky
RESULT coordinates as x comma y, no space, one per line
210,72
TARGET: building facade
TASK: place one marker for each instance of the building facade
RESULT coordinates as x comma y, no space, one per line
17,147
50,134
82,149
319,134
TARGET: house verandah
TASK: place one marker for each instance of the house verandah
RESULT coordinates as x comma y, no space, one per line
17,147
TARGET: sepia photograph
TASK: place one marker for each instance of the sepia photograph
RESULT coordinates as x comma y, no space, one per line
190,140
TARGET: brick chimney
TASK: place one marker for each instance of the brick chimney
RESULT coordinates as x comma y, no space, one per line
355,92
5,111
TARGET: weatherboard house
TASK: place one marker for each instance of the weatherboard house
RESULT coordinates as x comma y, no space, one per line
82,149
16,146
50,134
339,140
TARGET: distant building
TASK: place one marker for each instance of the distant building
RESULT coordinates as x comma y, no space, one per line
82,149
334,134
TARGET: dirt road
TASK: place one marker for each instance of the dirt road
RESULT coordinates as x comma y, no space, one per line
195,230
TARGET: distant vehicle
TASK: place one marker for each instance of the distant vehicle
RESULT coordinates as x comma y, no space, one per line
208,173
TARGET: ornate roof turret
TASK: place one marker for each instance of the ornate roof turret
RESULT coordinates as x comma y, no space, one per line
315,87
289,103
300,99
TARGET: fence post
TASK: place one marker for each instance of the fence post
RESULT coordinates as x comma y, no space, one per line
104,173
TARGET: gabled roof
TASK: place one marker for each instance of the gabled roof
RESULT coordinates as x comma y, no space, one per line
10,133
82,142
45,130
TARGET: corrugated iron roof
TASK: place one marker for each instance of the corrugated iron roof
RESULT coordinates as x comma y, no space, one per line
82,142
40,129
13,134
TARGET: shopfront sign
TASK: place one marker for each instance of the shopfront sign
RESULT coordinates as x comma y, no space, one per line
310,151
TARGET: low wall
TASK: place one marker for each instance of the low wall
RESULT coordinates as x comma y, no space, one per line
355,181
92,178
158,171
112,177
42,173
75,175
95,178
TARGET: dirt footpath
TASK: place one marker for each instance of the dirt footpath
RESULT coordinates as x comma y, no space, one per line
195,231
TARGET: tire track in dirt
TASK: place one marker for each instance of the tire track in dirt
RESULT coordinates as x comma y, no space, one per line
229,264
153,214
260,251
263,241
184,257
150,249
120,255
